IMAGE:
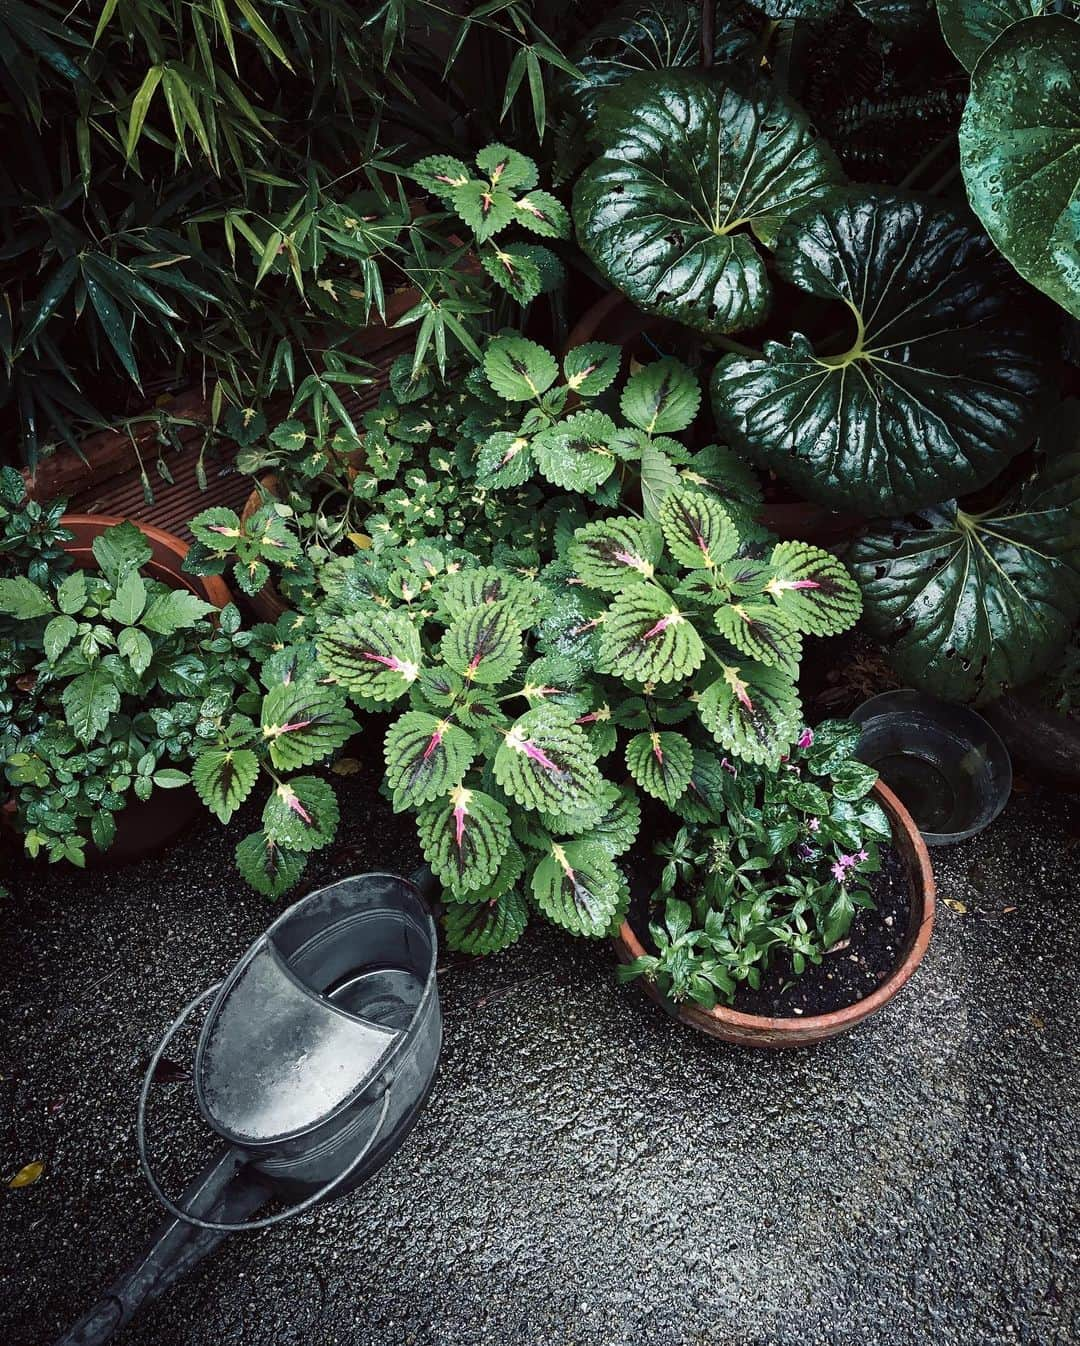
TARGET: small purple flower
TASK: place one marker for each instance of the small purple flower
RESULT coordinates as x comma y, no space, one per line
726,766
806,738
813,824
838,872
861,856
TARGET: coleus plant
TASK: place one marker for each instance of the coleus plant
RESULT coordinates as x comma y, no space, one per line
503,193
519,684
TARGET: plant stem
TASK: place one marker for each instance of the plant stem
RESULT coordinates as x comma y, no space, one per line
708,33
736,347
946,143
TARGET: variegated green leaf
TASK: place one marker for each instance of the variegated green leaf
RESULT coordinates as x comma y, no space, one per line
646,638
661,398
223,779
425,758
590,368
301,814
697,530
505,461
813,589
617,827
304,723
545,762
517,369
511,868
764,632
464,837
580,887
484,645
576,454
705,797
461,592
487,927
269,868
661,763
753,711
372,653
613,553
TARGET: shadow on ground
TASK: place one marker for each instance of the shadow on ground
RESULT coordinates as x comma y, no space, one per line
587,1173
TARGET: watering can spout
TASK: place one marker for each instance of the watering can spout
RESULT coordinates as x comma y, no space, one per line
227,1190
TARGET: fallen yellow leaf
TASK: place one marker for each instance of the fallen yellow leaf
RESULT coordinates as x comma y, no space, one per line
346,766
954,904
360,540
28,1174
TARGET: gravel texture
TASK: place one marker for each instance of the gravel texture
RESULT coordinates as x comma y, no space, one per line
587,1171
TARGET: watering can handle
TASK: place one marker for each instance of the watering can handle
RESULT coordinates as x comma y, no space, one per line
267,1221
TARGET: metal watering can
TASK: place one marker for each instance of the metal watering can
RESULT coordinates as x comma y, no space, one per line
317,1056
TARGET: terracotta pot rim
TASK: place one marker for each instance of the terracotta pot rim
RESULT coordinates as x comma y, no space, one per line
213,587
800,1030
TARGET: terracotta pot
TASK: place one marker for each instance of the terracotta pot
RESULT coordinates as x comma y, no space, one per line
143,826
614,319
165,565
753,1030
267,605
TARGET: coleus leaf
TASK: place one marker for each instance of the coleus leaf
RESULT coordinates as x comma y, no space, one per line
613,553
486,927
1020,152
511,868
223,779
485,209
461,592
504,461
570,624
813,589
697,530
484,645
440,174
303,723
617,827
705,798
658,477
545,762
646,638
301,814
591,367
970,605
425,758
753,711
506,167
464,837
575,453
579,887
372,653
764,632
556,681
542,214
513,270
660,763
218,528
661,398
517,369
942,385
269,868
692,171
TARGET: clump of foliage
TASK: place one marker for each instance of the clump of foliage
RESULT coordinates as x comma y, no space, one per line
524,674
206,195
119,677
773,866
898,362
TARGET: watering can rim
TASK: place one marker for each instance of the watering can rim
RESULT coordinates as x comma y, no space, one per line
245,1143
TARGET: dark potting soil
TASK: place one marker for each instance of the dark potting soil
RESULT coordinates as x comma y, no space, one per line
848,973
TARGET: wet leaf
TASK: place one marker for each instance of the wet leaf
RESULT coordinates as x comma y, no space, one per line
28,1174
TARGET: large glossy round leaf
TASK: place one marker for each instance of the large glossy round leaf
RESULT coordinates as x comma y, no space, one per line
972,605
1020,151
693,172
649,35
942,385
970,26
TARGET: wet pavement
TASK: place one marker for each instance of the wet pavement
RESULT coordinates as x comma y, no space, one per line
587,1172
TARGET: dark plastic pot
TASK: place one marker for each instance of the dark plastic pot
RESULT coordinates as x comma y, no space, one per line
143,826
753,1030
614,319
1043,744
